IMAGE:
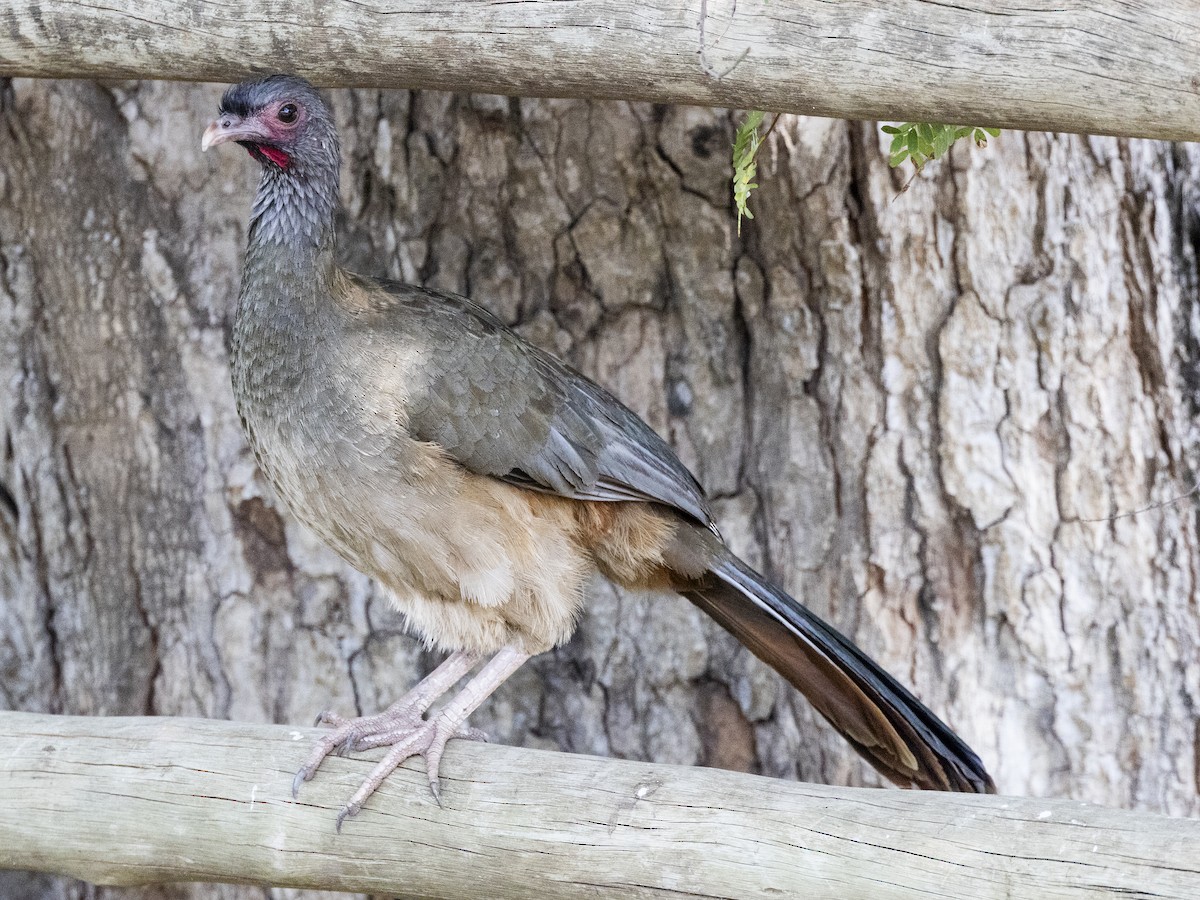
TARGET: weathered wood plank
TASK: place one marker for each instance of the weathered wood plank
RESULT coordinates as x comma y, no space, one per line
148,800
1125,68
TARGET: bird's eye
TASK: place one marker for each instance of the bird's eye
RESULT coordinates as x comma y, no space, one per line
287,113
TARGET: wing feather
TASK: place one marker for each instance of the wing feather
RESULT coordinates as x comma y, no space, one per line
501,406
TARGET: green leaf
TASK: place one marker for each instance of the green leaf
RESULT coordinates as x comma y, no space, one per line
942,142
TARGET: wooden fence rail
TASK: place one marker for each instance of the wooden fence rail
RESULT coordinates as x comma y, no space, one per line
1126,68
147,800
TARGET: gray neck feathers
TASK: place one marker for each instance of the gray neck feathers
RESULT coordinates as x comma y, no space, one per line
289,263
294,208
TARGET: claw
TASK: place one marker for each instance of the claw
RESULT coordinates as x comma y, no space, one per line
296,782
330,718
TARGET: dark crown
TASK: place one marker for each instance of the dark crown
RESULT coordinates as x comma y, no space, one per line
245,98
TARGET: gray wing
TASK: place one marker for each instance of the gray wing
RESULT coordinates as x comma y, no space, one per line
502,407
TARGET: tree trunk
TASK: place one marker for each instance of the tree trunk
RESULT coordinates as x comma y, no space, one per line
960,421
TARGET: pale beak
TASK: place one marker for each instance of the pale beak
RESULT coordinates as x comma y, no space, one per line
233,128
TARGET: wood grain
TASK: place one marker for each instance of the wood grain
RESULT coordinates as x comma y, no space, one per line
150,800
1124,68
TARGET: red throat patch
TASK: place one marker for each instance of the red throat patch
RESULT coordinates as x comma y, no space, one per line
274,154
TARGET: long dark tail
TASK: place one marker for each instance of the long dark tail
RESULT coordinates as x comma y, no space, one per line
890,727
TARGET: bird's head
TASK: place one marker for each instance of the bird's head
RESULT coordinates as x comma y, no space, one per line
283,123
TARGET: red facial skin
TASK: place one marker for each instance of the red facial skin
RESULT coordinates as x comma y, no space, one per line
263,134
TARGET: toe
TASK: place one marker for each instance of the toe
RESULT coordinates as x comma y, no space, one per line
433,761
415,744
443,732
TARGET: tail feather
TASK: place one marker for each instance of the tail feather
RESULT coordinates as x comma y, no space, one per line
885,723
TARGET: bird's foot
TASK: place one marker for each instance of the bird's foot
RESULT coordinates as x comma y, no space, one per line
348,734
403,728
358,733
427,738
399,727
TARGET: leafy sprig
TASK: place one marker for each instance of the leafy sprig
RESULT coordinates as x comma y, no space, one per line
920,142
917,142
745,149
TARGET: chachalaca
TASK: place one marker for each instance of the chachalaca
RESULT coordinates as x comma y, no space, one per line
482,481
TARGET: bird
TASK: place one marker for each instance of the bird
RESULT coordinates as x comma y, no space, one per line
482,481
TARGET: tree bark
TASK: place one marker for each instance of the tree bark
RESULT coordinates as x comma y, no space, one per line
960,421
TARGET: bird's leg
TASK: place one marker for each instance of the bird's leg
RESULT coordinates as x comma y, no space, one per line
430,737
407,710
388,726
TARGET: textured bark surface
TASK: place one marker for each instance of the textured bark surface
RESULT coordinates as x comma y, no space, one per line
929,414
